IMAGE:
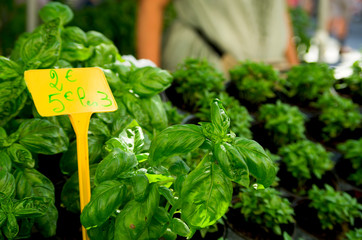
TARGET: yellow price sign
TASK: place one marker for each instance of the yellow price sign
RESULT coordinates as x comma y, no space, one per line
67,91
77,92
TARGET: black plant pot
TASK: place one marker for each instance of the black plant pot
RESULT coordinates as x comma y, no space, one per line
307,219
252,231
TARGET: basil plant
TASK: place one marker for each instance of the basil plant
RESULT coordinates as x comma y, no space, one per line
148,195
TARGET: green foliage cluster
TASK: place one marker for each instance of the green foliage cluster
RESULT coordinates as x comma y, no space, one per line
334,207
239,115
309,81
27,196
266,208
337,114
194,78
114,18
354,81
305,159
352,150
256,82
284,123
354,234
129,188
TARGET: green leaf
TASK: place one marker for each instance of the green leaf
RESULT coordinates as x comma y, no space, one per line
74,47
114,164
206,195
47,224
106,199
103,54
98,128
167,193
179,227
9,69
2,218
68,161
95,38
176,139
31,207
104,232
42,47
149,81
70,192
136,216
31,183
259,163
232,163
219,117
7,184
140,185
21,156
5,161
134,108
156,112
177,166
11,228
12,99
42,136
133,138
55,10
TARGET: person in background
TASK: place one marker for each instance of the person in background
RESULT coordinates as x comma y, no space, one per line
223,32
341,12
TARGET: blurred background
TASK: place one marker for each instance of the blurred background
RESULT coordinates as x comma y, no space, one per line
317,28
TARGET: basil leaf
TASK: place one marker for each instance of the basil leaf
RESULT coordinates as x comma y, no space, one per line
176,139
69,163
2,218
114,164
259,163
104,232
55,10
103,54
95,38
5,161
177,166
206,195
232,163
70,192
106,199
21,156
133,138
156,228
167,193
149,81
7,184
31,183
47,224
134,108
42,47
9,69
31,207
74,47
179,227
11,228
42,136
136,216
12,99
219,117
98,128
156,111
139,184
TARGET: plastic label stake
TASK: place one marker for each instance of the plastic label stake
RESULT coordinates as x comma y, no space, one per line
77,92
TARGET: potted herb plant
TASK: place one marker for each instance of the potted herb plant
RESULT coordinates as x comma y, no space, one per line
303,162
254,83
281,123
264,214
328,214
